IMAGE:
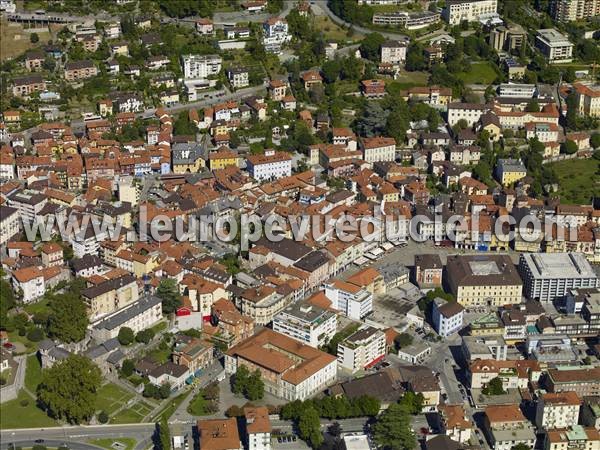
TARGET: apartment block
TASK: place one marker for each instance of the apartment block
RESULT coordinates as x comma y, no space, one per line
557,410
362,349
306,323
457,11
588,98
506,427
270,165
200,66
353,301
447,317
583,380
554,45
571,10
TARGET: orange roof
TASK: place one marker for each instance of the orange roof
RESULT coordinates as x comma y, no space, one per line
364,277
504,413
219,434
257,420
27,274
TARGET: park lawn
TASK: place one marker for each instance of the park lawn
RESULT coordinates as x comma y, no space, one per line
33,374
43,306
407,79
171,407
111,397
480,73
333,31
578,180
13,415
134,414
107,443
15,41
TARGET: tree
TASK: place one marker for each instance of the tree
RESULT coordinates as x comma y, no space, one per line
413,402
168,292
520,446
68,318
35,334
126,336
255,387
103,417
151,391
34,38
164,390
234,411
309,427
403,340
145,336
68,389
373,121
415,57
569,147
127,368
393,429
494,387
571,117
331,70
533,106
240,379
595,140
164,435
370,46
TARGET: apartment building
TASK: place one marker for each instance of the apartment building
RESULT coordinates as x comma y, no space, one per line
25,86
484,347
506,427
138,316
509,37
457,11
478,280
10,223
509,171
200,66
275,34
238,77
195,354
447,317
557,410
408,20
362,349
270,165
290,370
588,98
110,295
583,380
554,45
549,276
258,428
29,281
80,70
219,434
352,300
470,112
394,52
378,149
28,204
514,374
428,271
573,438
456,423
571,10
306,323
262,303
432,95
544,132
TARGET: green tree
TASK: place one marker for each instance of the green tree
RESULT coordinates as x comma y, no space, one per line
168,292
35,334
34,38
413,402
68,319
127,367
309,427
533,106
103,417
255,387
145,336
393,429
164,435
415,57
569,147
126,336
370,46
403,340
331,70
68,389
164,390
494,387
595,140
240,379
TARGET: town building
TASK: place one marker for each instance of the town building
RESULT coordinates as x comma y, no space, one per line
377,149
457,11
549,276
200,66
572,10
575,437
408,20
270,165
219,434
456,423
306,323
447,317
362,349
506,427
428,271
10,223
238,77
509,171
80,70
554,45
258,428
138,316
275,34
352,300
583,380
290,370
557,410
394,52
588,98
25,86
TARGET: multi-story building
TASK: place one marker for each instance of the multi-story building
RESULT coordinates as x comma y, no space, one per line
470,112
557,410
289,369
28,203
25,86
506,427
138,316
200,66
583,380
510,37
362,349
513,373
588,98
350,299
394,52
377,149
549,276
219,434
110,295
435,96
373,88
456,423
29,282
306,323
428,271
483,280
571,10
554,45
275,34
457,11
447,317
80,70
195,354
270,165
10,223
509,171
258,428
544,132
572,438
408,20
262,303
484,347
238,77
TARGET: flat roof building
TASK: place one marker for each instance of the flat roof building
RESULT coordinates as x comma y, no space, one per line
554,45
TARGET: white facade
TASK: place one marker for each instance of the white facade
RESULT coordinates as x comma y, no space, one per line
517,90
378,149
275,34
351,300
311,385
29,204
9,223
31,287
470,112
447,318
557,414
270,166
393,52
457,11
361,349
200,66
306,323
555,46
138,316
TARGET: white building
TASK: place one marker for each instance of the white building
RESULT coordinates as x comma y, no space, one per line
517,90
471,112
30,282
306,323
377,149
9,223
447,317
238,77
558,410
571,10
351,300
275,34
269,166
138,316
548,276
394,52
554,45
28,203
415,353
545,132
457,11
362,349
258,428
200,66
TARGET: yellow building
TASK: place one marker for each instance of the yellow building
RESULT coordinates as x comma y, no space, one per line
187,158
223,158
509,171
488,325
588,99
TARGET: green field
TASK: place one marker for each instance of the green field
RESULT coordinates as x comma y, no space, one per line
168,410
480,73
135,414
578,180
107,443
111,397
33,374
13,415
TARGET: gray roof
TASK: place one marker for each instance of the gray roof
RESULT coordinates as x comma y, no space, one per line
187,153
115,357
107,286
117,320
86,262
